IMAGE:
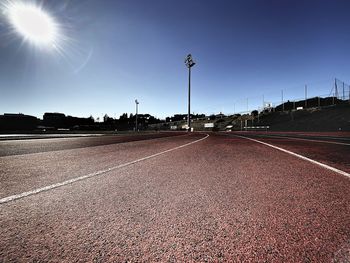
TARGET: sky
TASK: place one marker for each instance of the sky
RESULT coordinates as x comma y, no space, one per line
116,51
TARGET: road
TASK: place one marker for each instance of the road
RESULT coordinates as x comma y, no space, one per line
329,148
186,198
54,143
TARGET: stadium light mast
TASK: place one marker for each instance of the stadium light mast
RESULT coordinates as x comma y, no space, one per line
137,108
189,63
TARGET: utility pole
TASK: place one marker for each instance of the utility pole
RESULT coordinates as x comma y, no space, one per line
189,63
247,107
263,102
137,109
305,96
282,101
336,88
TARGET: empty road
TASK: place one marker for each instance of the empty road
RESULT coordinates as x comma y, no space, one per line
234,197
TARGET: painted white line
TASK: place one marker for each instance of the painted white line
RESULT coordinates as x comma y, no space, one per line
303,139
80,178
300,156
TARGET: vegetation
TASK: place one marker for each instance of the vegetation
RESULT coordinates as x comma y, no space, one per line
314,114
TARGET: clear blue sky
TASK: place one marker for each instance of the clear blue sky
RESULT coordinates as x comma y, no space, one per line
122,50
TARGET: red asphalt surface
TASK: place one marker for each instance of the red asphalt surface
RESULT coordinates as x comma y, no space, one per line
322,134
221,199
321,147
25,146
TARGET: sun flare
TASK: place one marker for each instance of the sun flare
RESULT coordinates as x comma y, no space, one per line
32,23
45,26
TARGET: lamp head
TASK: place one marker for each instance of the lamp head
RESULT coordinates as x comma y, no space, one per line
189,61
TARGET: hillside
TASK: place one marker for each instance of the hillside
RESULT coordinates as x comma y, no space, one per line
331,118
327,118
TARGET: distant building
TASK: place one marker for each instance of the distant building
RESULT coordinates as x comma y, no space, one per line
18,122
61,121
220,115
54,119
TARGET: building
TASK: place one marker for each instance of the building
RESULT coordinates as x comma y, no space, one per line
18,122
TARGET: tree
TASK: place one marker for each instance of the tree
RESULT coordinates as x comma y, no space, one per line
105,118
254,113
91,120
124,116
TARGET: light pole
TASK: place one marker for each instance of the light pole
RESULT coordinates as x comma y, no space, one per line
189,63
305,96
137,107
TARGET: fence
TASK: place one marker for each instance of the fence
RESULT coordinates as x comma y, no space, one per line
339,94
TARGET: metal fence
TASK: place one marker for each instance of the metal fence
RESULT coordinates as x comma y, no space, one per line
339,94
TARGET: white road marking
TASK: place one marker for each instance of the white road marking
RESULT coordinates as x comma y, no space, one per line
303,139
80,178
300,156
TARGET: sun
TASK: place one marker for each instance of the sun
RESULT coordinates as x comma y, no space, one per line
45,26
32,23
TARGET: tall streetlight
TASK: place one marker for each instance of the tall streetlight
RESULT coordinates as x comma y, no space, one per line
189,63
137,108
